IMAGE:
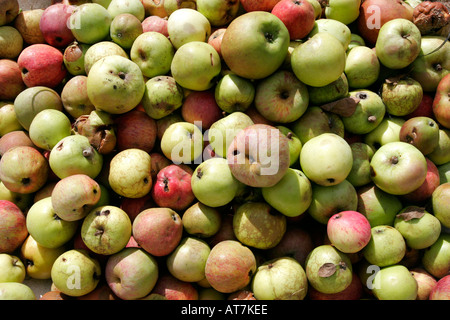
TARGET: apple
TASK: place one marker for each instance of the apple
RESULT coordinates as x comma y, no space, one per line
30,176
387,284
170,288
38,260
425,191
373,14
443,171
293,185
163,123
258,225
74,97
362,67
282,278
234,93
387,131
22,200
344,11
8,118
265,5
134,7
319,61
158,230
425,108
16,291
329,200
401,97
155,23
421,132
131,273
219,12
399,157
435,258
440,291
126,85
11,41
75,273
201,107
425,282
172,5
441,104
54,25
215,39
222,132
398,43
336,28
182,142
440,155
356,41
230,266
201,220
349,231
11,82
10,10
419,228
153,53
438,199
162,96
46,227
13,269
74,155
101,50
295,145
154,8
186,25
27,22
46,137
135,129
14,139
353,292
255,44
73,56
333,91
90,23
13,226
369,112
293,11
187,261
328,270
386,246
360,174
41,65
196,65
431,66
281,97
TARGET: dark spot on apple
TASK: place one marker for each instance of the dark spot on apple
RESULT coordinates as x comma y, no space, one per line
361,95
289,135
174,217
211,58
24,71
94,191
119,35
58,39
25,181
431,123
236,152
394,159
437,67
29,262
284,95
269,37
56,217
166,184
342,265
88,152
146,180
97,213
114,87
142,54
330,180
64,259
121,75
105,212
270,265
99,232
250,273
199,173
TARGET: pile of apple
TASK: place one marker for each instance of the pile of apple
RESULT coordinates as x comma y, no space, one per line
229,150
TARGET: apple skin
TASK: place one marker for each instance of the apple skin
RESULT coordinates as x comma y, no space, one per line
172,188
100,50
219,13
11,82
13,269
387,280
425,108
134,7
90,23
398,157
73,56
425,191
353,292
13,226
41,65
230,266
438,199
425,282
252,5
386,246
74,97
215,39
255,44
186,25
10,10
362,67
54,26
166,229
297,15
441,290
349,231
435,258
124,30
421,132
440,155
441,102
14,139
8,117
201,220
234,93
401,97
155,23
131,273
46,137
16,291
170,288
201,106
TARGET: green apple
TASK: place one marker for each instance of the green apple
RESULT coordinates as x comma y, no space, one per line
402,96
398,43
100,50
335,28
295,145
45,136
219,12
75,155
182,142
90,23
331,92
130,173
255,44
75,273
153,53
362,67
398,168
439,199
281,278
16,291
356,40
444,172
213,184
185,25
395,283
8,118
115,84
326,159
74,97
234,93
134,7
436,258
74,58
421,132
12,268
21,200
292,195
39,259
387,131
46,227
345,11
103,3
328,270
106,230
419,228
440,154
201,220
386,246
124,29
196,65
319,61
187,262
360,173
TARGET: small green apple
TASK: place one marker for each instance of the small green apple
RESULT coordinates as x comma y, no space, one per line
45,136
12,268
395,283
16,291
182,142
386,246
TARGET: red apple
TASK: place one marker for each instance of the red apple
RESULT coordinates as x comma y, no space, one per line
135,129
172,188
215,39
353,292
441,102
425,282
201,106
134,206
41,65
297,15
13,227
14,139
424,192
258,5
425,108
442,289
54,27
158,161
173,289
11,82
155,23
